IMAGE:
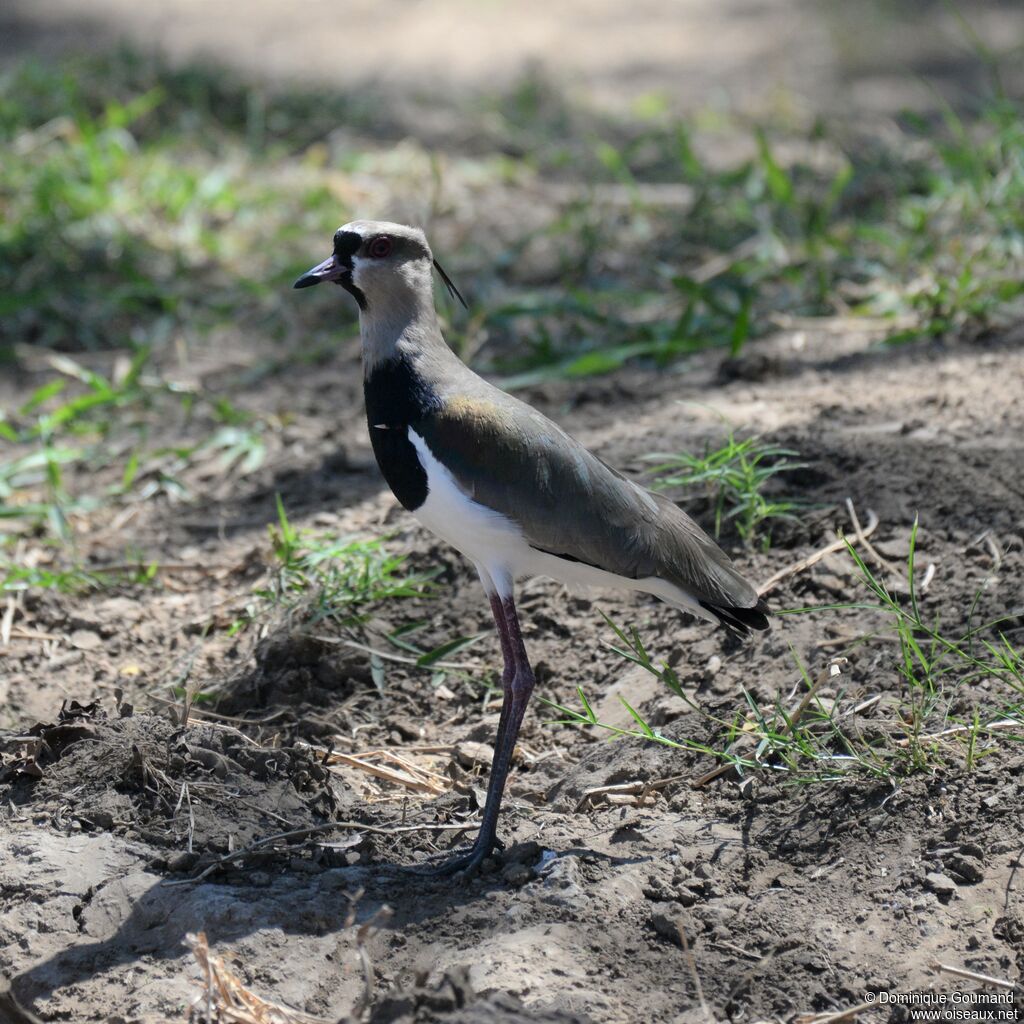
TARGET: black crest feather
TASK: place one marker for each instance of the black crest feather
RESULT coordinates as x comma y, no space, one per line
450,285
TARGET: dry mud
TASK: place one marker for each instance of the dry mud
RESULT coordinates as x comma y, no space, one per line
124,830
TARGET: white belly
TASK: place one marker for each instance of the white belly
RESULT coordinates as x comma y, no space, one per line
499,550
490,540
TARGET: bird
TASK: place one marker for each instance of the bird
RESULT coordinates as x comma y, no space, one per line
503,484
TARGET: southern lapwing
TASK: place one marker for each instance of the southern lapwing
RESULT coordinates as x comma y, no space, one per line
503,484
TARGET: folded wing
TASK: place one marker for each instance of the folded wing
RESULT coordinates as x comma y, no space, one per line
569,503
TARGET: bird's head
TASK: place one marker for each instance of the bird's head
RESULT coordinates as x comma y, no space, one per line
381,264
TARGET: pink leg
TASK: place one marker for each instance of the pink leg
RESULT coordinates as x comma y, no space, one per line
518,682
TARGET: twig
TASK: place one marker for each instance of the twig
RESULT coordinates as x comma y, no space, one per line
430,748
246,850
380,917
691,963
18,633
1003,723
984,979
221,718
228,1001
842,324
834,1018
806,563
309,831
721,262
732,947
638,788
8,620
424,785
387,656
862,539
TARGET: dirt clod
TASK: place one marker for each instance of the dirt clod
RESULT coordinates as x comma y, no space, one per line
153,829
942,885
970,869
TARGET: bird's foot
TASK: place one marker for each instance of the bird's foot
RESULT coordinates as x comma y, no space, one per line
468,863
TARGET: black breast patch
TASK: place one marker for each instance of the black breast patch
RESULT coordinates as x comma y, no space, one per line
397,398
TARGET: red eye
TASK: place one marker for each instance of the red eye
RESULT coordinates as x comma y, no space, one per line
380,247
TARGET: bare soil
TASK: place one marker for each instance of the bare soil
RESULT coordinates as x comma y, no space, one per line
125,830
764,56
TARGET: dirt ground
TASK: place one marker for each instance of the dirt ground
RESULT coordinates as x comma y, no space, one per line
118,837
797,56
125,830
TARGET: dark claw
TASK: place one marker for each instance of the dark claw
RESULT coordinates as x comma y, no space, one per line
467,863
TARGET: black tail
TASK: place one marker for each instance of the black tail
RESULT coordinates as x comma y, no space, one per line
740,620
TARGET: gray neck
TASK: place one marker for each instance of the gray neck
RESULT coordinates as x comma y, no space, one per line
399,318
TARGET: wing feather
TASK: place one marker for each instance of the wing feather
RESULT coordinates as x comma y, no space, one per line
568,502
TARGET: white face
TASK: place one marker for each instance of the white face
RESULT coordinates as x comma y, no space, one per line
387,266
387,263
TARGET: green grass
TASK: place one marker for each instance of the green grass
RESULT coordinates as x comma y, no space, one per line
132,218
734,479
53,445
72,580
145,205
141,211
948,697
329,578
327,586
939,669
923,238
157,212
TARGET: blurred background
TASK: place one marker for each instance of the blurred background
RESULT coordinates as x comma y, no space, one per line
764,255
161,155
751,55
610,185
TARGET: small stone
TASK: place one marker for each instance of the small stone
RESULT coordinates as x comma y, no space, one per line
970,869
523,853
517,874
473,755
97,818
84,619
182,861
666,922
714,665
685,896
406,728
942,885
85,640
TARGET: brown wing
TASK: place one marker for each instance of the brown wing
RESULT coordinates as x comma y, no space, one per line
567,502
